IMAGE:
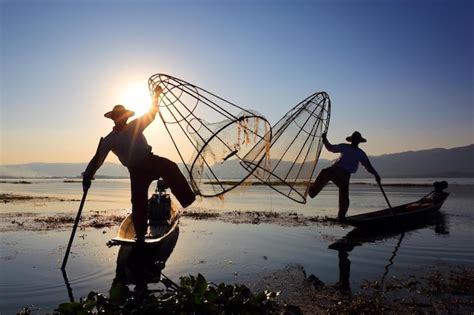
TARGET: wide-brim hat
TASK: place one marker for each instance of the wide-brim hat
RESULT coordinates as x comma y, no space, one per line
357,137
119,111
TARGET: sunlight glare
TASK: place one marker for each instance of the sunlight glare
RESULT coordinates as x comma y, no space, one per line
136,98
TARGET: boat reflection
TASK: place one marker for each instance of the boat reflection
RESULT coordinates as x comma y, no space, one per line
141,266
360,236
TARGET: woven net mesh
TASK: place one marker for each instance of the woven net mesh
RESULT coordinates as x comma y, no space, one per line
218,134
287,163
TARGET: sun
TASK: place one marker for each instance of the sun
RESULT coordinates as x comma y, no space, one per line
136,98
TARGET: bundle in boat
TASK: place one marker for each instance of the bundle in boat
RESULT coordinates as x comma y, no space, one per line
290,159
210,134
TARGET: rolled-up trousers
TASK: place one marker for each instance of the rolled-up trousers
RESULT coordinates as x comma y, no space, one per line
152,168
338,176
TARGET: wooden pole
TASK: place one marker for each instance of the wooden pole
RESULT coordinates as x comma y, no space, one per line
78,217
76,222
383,192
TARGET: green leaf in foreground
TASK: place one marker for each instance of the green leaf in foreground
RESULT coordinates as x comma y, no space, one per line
194,295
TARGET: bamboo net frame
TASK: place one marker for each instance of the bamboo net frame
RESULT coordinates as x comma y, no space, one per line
218,132
291,157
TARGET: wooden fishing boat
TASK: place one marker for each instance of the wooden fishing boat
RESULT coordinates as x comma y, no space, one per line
163,218
406,214
360,235
156,234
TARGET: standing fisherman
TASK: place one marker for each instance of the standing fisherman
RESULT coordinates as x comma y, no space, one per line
340,172
127,141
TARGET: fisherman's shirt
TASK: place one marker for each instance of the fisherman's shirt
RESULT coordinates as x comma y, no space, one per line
128,144
350,157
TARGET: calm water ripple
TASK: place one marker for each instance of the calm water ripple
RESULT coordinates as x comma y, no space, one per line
29,271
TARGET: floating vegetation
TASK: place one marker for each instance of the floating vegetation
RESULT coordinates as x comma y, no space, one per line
200,215
103,219
15,182
36,222
251,183
99,221
54,220
395,184
434,292
194,295
6,198
100,224
305,183
258,217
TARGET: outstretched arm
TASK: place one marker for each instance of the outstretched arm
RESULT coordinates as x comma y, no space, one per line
328,145
94,164
147,118
154,103
368,166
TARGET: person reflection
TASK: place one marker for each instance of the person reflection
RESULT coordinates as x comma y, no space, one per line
141,267
358,237
344,271
343,247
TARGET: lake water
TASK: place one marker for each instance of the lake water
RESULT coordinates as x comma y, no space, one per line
29,261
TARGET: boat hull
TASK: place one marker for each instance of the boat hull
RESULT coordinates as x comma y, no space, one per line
155,234
404,215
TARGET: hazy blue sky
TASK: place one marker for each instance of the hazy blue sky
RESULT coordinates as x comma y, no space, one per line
401,72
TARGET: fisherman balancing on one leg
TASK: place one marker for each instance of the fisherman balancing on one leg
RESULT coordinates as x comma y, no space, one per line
340,172
127,141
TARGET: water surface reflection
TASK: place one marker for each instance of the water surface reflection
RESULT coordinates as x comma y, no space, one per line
360,236
138,268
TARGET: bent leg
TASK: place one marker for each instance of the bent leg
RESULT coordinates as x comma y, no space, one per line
321,181
174,179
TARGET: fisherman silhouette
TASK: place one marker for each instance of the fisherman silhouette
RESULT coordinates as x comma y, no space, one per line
340,172
127,141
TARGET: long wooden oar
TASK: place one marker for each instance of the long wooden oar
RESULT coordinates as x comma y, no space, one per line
78,217
386,199
383,192
76,222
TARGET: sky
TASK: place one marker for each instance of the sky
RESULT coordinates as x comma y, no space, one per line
400,72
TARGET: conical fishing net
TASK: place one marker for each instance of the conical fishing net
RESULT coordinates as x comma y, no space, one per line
290,158
214,134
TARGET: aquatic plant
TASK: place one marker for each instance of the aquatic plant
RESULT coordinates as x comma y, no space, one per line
194,295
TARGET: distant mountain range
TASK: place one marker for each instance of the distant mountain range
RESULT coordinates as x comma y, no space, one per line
455,162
